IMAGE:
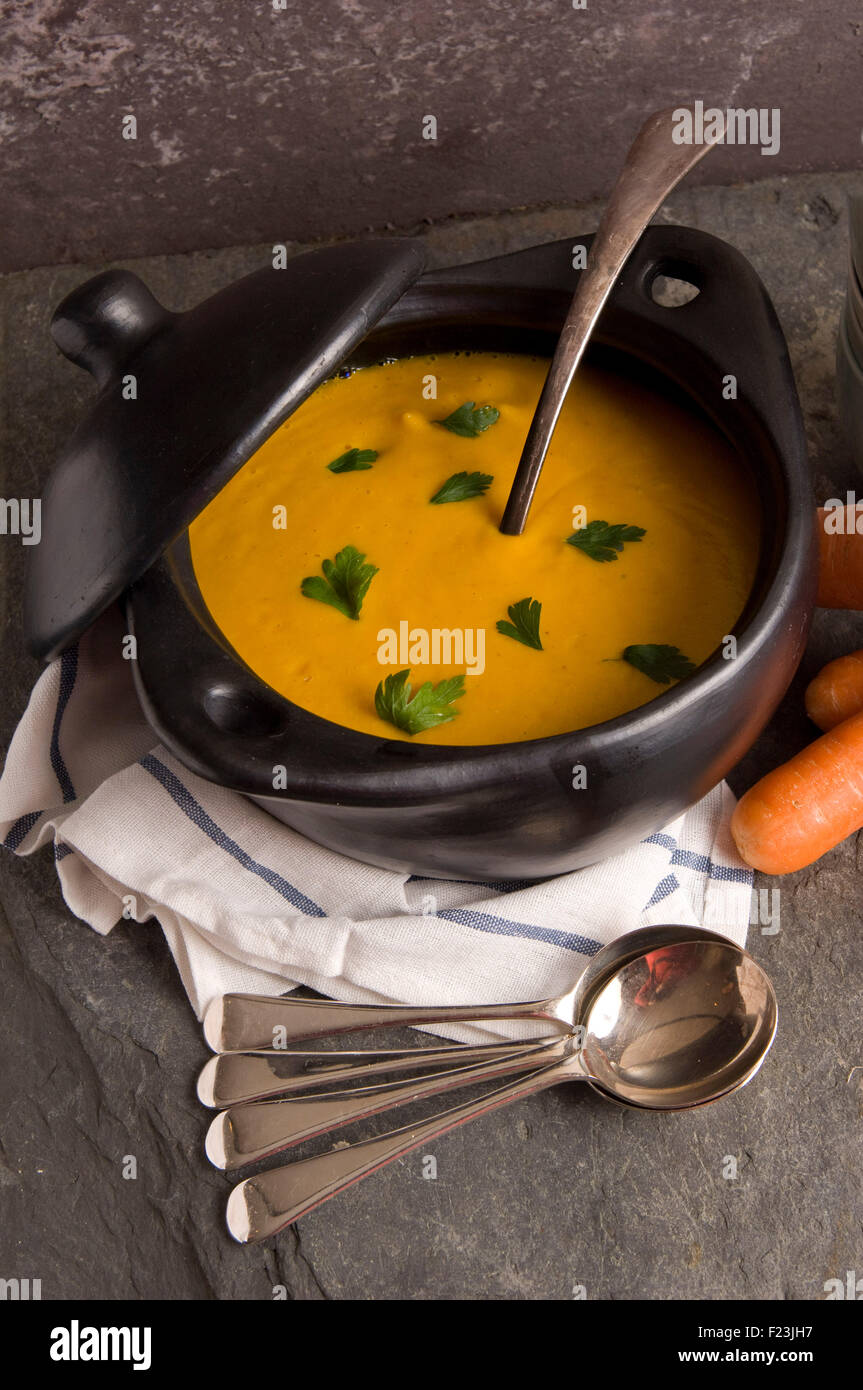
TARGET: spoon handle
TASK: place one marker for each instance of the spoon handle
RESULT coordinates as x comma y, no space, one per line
248,1133
653,166
231,1078
263,1205
258,1023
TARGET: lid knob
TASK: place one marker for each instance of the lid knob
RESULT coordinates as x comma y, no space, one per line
102,323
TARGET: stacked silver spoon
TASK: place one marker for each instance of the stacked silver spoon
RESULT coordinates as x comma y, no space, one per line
666,1018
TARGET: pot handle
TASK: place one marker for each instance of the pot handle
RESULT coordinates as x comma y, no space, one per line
103,323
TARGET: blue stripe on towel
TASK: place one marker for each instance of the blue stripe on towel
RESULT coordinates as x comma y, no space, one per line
662,890
68,672
666,841
20,830
198,816
500,926
702,863
688,859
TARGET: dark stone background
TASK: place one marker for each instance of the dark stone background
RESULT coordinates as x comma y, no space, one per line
100,1049
257,126
261,125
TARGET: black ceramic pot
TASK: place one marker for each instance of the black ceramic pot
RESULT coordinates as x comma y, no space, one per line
510,811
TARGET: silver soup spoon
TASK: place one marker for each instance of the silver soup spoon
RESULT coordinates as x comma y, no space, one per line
232,1078
244,1134
654,165
260,1023
668,1040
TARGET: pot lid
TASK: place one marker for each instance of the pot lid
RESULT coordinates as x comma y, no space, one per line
184,400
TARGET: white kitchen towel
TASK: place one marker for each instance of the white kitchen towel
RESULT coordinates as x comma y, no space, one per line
247,904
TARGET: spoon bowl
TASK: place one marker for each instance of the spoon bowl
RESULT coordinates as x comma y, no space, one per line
679,1027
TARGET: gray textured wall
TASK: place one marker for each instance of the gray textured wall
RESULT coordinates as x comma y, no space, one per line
263,125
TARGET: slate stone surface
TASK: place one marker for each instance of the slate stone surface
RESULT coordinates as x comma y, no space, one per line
280,119
100,1048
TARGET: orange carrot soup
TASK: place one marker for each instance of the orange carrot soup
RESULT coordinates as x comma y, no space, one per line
356,565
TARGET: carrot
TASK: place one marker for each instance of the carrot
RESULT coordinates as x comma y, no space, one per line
801,810
840,558
836,692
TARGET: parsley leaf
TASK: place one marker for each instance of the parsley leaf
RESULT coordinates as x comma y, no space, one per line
601,541
525,622
470,420
429,707
661,664
354,461
345,583
462,486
